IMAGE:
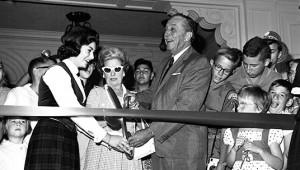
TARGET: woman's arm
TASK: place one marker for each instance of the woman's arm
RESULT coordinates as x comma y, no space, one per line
59,82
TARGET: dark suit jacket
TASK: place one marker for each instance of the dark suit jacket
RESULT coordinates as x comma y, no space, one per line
184,87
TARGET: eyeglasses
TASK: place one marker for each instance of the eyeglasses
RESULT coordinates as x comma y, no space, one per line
116,69
218,67
43,67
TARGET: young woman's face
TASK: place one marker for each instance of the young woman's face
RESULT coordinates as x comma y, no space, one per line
246,105
16,127
113,73
86,55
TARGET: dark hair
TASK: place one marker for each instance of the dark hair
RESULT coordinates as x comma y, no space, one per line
4,78
35,63
283,83
257,95
230,54
271,41
143,61
108,53
5,121
74,39
189,24
256,46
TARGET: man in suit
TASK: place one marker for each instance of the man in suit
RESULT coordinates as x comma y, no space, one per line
181,87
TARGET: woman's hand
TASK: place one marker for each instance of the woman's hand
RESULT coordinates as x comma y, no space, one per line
118,143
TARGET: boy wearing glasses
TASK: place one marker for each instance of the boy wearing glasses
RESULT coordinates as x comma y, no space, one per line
221,97
27,95
255,62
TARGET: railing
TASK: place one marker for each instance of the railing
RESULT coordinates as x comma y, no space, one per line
225,119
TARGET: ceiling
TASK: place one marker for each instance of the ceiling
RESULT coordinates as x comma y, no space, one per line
108,21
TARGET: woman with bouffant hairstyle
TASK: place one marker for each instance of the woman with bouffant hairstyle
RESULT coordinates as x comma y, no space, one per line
53,144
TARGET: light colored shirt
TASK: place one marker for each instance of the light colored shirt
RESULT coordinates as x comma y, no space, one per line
23,96
179,54
59,82
12,156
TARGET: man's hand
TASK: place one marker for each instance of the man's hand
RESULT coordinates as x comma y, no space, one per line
140,137
133,104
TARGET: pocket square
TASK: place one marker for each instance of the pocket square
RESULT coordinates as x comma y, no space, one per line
174,74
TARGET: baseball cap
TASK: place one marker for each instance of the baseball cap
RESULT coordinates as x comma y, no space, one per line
274,37
271,35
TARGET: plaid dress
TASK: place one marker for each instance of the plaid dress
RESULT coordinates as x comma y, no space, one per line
52,146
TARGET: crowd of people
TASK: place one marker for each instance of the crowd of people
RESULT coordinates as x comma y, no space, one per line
233,80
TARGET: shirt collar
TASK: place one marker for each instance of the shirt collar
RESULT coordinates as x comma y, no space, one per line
179,54
73,69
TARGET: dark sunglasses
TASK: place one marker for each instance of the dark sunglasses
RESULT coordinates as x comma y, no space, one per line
116,69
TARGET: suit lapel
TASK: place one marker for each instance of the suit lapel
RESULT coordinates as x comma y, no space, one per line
175,66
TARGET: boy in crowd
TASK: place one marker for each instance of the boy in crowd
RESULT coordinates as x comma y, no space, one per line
221,97
143,74
27,95
254,69
281,102
279,51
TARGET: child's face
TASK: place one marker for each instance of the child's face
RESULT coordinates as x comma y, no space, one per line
246,105
222,68
16,127
279,97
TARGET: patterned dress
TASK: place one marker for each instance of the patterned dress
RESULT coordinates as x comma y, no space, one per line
273,135
101,157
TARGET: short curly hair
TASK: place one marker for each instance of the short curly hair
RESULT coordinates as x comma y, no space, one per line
109,53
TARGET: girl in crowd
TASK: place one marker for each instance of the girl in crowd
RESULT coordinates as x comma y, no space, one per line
113,63
253,148
13,148
53,144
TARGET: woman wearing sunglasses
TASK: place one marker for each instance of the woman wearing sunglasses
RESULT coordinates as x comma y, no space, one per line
53,144
113,63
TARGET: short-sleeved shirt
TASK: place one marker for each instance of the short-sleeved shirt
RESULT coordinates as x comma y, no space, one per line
241,78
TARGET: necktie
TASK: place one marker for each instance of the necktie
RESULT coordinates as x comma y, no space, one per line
171,61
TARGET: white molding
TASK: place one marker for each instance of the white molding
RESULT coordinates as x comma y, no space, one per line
226,16
18,47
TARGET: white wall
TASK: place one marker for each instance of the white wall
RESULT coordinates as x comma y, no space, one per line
18,47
